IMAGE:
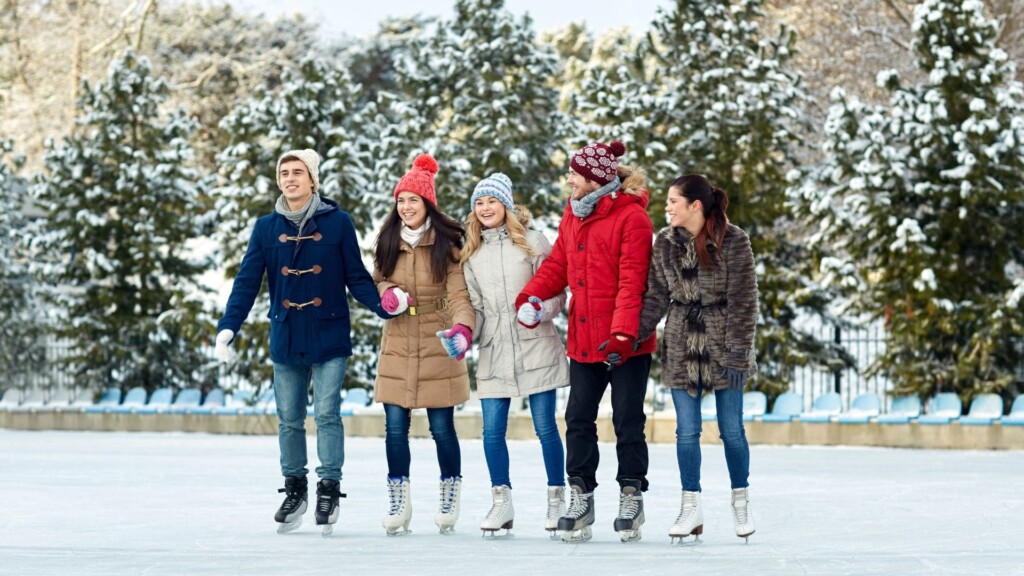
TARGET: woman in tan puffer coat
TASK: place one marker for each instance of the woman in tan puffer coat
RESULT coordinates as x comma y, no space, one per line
500,257
421,284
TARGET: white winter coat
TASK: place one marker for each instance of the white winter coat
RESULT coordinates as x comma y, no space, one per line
514,360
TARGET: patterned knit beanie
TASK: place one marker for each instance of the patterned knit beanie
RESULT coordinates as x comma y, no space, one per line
308,157
597,161
420,179
497,185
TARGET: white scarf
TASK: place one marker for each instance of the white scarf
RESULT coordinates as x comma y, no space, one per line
413,237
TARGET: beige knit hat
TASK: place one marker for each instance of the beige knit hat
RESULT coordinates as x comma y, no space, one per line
308,157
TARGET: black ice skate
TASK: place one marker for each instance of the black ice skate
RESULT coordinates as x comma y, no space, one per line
631,511
327,495
575,525
289,515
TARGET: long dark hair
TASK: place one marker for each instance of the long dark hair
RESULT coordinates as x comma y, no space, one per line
448,237
695,187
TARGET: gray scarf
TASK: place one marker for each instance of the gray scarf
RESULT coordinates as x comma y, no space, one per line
585,206
300,216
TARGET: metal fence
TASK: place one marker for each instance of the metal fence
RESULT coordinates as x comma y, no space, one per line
865,345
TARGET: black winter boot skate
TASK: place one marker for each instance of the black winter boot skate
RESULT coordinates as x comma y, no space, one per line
289,515
631,511
327,495
575,525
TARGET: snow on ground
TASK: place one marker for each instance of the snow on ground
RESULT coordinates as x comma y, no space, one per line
88,503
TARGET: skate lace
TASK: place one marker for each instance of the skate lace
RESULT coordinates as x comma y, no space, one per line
577,504
395,498
628,505
499,506
447,496
739,511
292,498
688,509
555,503
324,499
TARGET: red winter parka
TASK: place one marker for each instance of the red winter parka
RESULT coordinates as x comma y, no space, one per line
603,259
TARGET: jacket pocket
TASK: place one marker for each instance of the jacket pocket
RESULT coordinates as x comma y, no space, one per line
542,352
333,329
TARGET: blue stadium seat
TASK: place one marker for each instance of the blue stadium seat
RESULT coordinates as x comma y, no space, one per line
110,399
133,400
943,409
214,399
754,405
186,401
985,409
234,403
160,402
824,408
265,404
787,405
708,408
863,408
1016,415
904,409
355,399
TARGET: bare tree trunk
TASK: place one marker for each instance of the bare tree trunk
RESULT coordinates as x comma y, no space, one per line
21,60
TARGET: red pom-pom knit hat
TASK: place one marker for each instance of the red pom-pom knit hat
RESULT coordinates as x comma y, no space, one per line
420,180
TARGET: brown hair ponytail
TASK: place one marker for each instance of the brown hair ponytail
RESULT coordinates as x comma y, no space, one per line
714,203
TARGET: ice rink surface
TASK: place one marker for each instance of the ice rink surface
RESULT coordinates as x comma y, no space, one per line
79,503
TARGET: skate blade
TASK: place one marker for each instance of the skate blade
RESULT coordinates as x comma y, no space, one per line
328,529
446,530
286,527
746,537
627,536
493,534
682,540
553,534
397,532
577,536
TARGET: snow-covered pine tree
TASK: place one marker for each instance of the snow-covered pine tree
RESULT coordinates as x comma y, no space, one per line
919,208
317,106
120,200
478,95
22,317
707,92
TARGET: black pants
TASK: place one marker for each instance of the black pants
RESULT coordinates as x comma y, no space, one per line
587,383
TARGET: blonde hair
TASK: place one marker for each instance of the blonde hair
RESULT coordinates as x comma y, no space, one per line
632,179
516,222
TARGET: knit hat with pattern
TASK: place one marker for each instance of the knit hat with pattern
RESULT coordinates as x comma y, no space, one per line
597,161
420,179
308,157
497,185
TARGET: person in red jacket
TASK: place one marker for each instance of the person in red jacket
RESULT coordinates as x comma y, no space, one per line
602,254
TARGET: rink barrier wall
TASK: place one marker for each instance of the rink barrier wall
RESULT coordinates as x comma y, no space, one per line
469,424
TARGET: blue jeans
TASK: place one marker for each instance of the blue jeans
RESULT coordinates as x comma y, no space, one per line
442,428
291,389
542,409
729,404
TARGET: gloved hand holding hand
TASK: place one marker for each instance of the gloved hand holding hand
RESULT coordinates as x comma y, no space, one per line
619,348
394,301
736,378
456,341
223,350
529,313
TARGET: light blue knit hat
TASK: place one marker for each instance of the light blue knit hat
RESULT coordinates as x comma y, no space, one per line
497,185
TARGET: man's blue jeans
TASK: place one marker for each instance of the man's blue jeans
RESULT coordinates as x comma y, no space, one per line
729,404
442,428
291,389
542,409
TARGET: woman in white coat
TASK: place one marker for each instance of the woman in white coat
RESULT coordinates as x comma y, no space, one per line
500,256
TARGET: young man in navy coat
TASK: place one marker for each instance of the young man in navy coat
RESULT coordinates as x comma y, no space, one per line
308,250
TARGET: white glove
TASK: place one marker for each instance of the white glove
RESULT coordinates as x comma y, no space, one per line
223,351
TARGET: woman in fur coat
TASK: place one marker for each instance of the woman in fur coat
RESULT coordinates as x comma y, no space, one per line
702,275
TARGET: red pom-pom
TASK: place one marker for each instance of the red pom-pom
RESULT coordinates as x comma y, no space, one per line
617,148
425,162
